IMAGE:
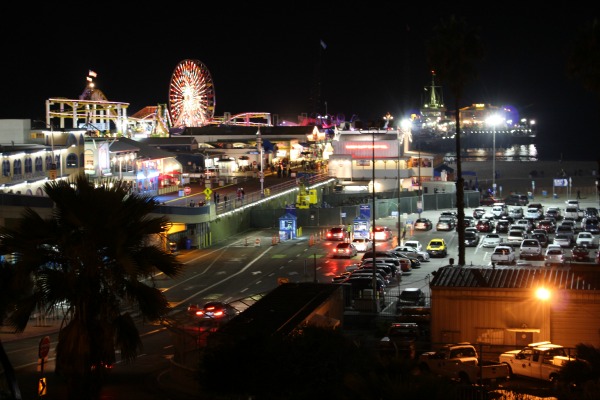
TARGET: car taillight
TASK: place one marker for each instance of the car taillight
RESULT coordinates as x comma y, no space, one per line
199,313
218,314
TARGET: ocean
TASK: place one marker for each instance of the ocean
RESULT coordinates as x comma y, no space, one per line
549,151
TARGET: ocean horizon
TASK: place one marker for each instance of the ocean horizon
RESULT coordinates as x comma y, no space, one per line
552,151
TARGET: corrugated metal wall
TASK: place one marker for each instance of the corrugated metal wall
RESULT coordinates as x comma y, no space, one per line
499,316
575,318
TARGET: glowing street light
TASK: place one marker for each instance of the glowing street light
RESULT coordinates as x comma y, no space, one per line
261,173
542,293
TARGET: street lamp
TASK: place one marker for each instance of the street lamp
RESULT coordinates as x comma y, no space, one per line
260,174
374,278
494,120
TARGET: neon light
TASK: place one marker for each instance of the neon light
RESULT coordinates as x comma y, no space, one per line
366,146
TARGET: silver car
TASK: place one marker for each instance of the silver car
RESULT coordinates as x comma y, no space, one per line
491,240
515,212
411,251
554,255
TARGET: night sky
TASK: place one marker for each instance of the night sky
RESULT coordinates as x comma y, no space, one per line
264,57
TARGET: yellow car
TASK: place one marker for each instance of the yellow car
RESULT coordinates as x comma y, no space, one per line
437,248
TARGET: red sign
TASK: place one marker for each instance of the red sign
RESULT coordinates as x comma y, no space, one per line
44,347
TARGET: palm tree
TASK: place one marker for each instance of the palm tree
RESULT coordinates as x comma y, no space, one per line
452,52
90,255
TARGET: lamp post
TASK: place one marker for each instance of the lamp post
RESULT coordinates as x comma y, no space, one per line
260,174
494,120
374,278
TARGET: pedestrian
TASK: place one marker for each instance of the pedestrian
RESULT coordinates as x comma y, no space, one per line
578,194
242,192
217,198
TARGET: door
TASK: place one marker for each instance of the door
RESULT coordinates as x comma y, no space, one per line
522,339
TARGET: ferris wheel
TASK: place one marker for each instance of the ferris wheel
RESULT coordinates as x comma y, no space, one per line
191,95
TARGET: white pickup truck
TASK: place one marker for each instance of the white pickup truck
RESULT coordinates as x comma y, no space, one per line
541,360
461,362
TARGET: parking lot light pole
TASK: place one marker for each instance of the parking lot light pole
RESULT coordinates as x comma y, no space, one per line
261,174
494,120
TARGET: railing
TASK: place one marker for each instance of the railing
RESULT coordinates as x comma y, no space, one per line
255,196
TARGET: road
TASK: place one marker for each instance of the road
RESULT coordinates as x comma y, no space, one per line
230,271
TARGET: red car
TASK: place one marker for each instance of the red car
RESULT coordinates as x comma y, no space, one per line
546,225
581,253
485,225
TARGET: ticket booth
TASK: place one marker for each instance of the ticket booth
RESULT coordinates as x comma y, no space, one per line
287,227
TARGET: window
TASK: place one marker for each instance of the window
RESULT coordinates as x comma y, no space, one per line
28,166
38,164
5,168
72,161
17,167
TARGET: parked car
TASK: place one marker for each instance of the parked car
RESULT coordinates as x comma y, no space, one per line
572,213
590,212
437,248
362,244
546,225
414,243
344,250
500,210
516,212
445,224
411,251
562,240
580,253
337,233
533,213
471,239
469,221
450,214
541,237
402,340
565,229
411,297
502,225
530,248
586,239
515,237
478,212
525,223
503,255
591,224
485,225
572,203
491,240
554,212
423,224
517,199
554,255
541,360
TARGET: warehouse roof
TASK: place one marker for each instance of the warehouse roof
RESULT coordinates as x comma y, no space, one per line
510,277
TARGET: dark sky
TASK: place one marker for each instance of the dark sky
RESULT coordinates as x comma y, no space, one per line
263,57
